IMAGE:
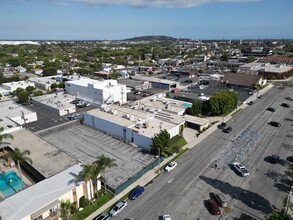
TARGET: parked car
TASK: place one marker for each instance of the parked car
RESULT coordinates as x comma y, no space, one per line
221,200
222,125
136,192
119,207
290,98
286,105
271,109
227,130
274,158
74,116
260,97
104,216
166,217
275,124
250,103
170,166
213,207
240,168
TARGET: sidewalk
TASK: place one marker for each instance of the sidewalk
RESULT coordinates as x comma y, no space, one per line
192,141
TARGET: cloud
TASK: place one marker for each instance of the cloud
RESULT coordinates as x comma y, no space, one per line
160,3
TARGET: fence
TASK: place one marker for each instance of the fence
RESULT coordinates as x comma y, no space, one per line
136,177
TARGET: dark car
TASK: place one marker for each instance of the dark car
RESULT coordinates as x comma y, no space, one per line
213,207
271,109
136,192
227,130
275,124
274,158
104,216
250,103
286,105
222,125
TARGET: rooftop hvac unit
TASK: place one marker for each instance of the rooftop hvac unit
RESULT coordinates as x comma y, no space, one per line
167,106
138,126
113,112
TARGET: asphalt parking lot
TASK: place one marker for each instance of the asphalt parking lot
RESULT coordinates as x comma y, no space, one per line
48,119
85,144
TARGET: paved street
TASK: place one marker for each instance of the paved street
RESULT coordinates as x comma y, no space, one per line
182,192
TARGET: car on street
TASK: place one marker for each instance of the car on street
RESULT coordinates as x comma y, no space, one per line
136,192
260,97
119,207
104,216
227,130
166,217
240,168
170,166
271,109
275,124
213,207
222,125
290,98
220,199
286,105
250,103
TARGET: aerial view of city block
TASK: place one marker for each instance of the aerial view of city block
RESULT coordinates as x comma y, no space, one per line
146,110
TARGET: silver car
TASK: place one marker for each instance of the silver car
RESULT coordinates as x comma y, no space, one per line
119,207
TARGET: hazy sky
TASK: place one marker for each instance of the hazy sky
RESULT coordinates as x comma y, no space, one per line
120,19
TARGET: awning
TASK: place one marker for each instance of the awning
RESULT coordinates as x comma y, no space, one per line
44,209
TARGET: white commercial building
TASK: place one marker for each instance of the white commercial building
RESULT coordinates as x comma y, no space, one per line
96,91
140,121
43,83
12,86
57,103
13,116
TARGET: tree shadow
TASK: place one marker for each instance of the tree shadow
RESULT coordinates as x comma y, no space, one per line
251,199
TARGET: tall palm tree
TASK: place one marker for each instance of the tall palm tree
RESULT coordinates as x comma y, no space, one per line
87,175
20,156
4,136
105,163
96,171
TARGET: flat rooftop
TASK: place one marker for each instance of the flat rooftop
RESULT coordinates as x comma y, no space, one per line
86,144
58,100
150,110
10,110
47,159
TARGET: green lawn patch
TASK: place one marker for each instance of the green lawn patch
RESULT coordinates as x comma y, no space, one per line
92,208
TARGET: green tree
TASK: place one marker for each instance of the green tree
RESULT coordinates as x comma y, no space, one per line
279,216
50,71
87,175
30,89
61,85
4,136
160,142
20,156
114,74
195,109
103,163
67,208
38,92
23,96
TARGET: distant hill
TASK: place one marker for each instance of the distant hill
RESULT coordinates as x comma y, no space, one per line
152,38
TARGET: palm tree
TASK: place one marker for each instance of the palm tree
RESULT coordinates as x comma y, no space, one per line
104,163
4,136
20,156
96,171
87,175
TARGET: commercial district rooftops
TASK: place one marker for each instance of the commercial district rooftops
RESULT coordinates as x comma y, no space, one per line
98,84
157,114
56,100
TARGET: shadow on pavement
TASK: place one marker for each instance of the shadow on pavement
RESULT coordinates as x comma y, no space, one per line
251,199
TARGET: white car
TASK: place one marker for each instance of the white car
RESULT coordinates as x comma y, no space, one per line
170,166
119,207
166,217
241,169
